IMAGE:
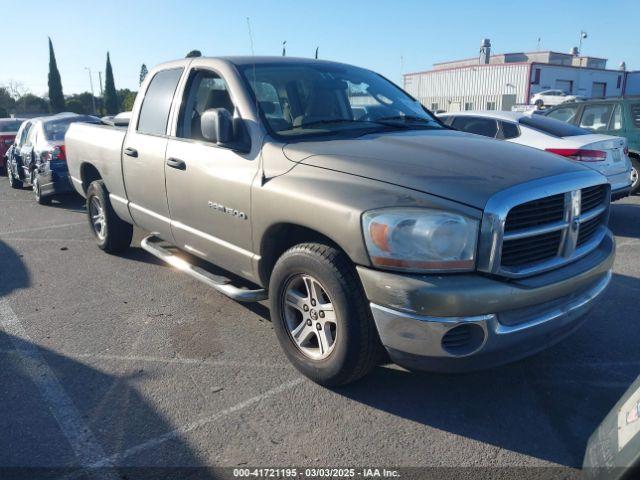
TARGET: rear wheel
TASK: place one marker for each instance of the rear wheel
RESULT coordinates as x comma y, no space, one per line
37,191
112,233
321,315
635,175
13,181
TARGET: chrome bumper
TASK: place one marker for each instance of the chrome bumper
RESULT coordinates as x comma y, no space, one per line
423,336
466,322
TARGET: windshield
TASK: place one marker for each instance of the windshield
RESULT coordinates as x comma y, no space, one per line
10,126
299,100
552,126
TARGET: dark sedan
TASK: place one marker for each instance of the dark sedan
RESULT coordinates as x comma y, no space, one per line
38,158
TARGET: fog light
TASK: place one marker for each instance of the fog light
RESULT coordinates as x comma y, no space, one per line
463,340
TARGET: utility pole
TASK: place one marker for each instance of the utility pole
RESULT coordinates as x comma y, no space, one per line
93,98
101,94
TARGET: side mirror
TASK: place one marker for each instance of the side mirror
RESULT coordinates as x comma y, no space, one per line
217,125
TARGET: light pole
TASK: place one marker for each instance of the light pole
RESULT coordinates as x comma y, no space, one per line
93,97
583,35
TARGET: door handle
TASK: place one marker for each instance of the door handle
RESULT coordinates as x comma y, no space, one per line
131,152
176,163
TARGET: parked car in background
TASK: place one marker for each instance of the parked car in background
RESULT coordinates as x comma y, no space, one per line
37,157
611,116
8,130
454,251
604,153
553,97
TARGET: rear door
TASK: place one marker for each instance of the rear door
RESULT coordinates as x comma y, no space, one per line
209,186
144,151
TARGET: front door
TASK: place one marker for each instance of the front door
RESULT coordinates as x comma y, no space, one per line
208,186
143,154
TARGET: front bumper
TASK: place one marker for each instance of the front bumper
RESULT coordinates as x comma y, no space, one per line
467,322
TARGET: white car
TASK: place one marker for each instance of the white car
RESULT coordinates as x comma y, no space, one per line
553,97
605,153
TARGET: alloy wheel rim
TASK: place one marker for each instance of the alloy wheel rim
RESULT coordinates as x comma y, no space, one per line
634,176
310,317
96,214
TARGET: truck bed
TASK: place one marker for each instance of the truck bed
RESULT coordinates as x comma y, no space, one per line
102,145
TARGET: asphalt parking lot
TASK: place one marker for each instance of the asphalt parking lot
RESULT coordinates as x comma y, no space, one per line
123,361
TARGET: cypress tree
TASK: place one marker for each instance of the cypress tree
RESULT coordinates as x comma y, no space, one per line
143,73
56,97
110,94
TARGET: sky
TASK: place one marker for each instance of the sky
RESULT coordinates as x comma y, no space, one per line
391,37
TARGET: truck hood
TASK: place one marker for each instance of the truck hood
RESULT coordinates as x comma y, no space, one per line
461,167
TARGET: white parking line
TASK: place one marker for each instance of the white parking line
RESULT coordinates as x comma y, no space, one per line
46,227
165,360
154,442
84,444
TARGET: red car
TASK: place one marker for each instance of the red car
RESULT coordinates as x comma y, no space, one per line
8,129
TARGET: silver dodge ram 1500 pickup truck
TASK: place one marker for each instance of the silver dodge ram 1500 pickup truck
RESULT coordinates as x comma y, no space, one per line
363,219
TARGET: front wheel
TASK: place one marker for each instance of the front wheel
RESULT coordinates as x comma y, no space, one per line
635,176
321,316
112,233
539,104
13,181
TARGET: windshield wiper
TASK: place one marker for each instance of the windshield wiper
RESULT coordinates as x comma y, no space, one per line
406,118
331,120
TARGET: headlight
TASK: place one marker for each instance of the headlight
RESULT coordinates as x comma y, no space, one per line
420,240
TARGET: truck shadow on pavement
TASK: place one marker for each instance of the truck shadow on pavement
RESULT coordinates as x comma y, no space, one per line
545,406
47,398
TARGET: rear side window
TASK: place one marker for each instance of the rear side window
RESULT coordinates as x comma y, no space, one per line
486,127
635,114
564,114
552,126
154,113
510,130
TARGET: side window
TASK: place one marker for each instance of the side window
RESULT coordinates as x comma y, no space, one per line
31,136
596,117
154,113
564,114
509,130
480,126
205,90
616,119
23,135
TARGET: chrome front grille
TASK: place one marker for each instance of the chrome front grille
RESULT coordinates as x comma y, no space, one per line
544,224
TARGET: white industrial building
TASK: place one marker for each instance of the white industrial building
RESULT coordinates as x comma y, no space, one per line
498,82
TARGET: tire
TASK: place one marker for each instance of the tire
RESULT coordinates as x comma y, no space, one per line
356,347
37,192
112,233
13,181
539,104
635,175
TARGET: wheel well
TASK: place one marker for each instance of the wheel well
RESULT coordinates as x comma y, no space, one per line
635,155
280,238
88,174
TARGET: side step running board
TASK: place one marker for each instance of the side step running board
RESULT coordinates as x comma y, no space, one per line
221,284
